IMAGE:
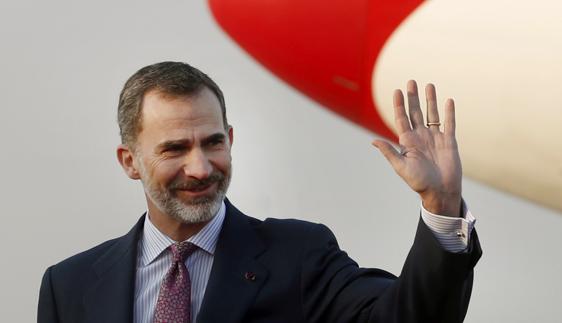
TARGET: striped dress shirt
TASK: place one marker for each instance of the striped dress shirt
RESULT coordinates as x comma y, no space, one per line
154,260
453,234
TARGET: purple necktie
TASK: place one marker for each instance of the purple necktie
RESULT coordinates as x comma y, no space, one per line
174,299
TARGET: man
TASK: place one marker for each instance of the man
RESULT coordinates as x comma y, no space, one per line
193,257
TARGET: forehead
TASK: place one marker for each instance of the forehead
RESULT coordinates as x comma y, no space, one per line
161,112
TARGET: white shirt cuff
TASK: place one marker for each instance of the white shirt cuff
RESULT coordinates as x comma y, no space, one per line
452,233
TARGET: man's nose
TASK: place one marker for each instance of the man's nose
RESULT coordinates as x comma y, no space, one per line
197,165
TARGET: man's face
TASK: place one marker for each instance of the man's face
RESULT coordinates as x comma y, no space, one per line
183,155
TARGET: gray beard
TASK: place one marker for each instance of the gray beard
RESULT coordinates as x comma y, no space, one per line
201,211
197,211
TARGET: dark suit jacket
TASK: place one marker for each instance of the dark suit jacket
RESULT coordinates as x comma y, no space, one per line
272,271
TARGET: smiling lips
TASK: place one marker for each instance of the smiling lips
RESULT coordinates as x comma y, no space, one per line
193,187
197,190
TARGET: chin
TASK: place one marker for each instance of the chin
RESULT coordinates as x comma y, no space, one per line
195,213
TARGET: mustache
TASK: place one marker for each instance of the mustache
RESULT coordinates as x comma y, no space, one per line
194,183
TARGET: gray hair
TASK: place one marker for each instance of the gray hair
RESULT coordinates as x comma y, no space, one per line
169,78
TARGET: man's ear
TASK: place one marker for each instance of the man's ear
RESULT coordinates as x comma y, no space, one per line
230,135
125,156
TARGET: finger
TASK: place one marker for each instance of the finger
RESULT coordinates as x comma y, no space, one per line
432,112
400,118
394,157
416,116
450,122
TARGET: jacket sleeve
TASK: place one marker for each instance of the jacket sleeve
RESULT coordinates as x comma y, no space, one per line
47,311
434,285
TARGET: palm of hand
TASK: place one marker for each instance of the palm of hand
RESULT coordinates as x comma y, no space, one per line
429,160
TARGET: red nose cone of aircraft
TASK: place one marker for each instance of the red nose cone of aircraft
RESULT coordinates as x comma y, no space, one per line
325,49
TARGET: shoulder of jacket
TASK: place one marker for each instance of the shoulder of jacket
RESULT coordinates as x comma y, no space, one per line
84,259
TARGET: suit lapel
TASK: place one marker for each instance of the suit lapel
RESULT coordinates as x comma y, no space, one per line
236,276
111,297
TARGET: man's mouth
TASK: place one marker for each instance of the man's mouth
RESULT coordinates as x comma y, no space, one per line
195,191
193,188
199,188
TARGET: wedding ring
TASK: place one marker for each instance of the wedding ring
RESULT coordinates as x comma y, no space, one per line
433,124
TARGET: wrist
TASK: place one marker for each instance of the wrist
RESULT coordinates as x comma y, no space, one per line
442,204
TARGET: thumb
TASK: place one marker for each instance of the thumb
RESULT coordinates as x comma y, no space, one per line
393,156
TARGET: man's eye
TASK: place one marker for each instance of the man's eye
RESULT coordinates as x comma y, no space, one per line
174,149
216,142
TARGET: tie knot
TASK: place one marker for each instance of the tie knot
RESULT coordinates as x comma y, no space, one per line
182,250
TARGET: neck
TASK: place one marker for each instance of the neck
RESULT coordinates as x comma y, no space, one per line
173,228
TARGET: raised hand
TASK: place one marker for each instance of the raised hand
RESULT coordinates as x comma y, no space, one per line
428,159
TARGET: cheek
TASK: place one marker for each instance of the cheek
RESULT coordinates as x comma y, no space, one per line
164,171
221,160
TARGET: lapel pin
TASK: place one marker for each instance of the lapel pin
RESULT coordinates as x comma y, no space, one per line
250,276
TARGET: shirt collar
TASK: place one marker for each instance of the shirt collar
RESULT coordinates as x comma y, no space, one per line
154,242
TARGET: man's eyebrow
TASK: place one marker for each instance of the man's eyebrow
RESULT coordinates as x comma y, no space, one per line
186,142
172,144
